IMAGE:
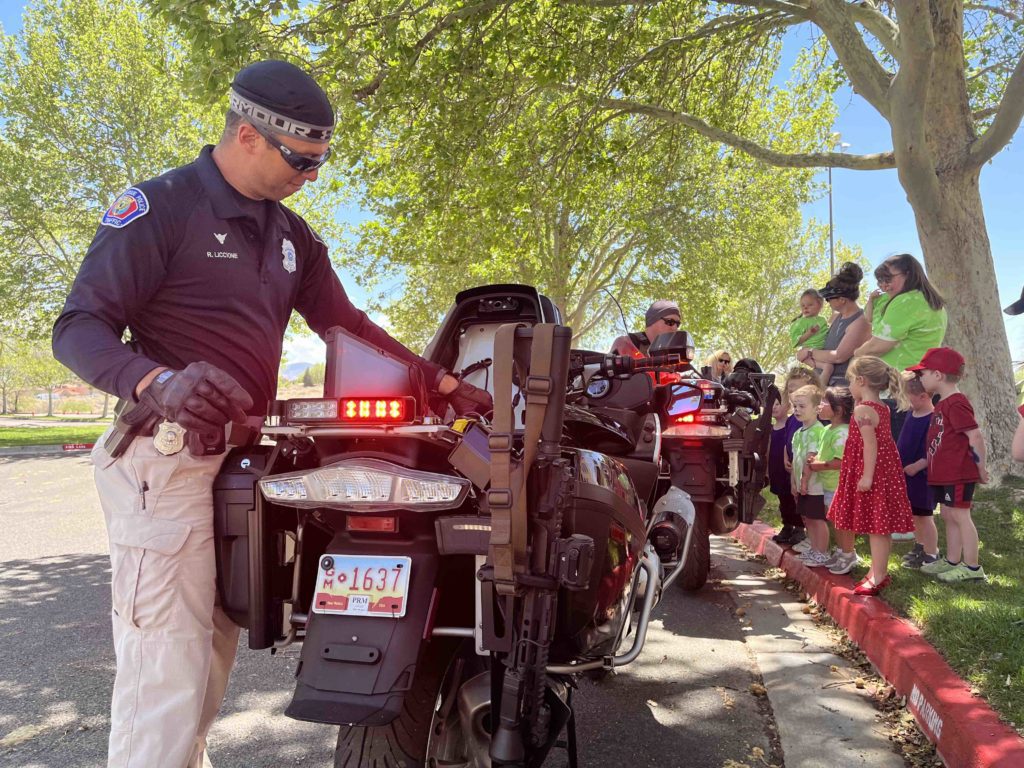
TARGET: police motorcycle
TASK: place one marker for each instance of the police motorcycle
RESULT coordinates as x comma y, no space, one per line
714,444
447,580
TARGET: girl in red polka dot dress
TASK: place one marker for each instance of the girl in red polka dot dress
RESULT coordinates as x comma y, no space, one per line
872,493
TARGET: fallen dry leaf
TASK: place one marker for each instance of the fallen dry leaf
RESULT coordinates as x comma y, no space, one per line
758,690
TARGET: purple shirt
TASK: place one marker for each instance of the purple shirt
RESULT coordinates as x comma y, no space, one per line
781,446
912,445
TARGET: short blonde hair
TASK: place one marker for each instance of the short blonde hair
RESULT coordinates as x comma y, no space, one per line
811,392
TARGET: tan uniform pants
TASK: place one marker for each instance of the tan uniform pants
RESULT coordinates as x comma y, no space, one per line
174,646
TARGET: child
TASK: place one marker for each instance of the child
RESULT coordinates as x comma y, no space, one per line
778,476
872,494
837,408
792,532
912,445
806,485
809,330
956,462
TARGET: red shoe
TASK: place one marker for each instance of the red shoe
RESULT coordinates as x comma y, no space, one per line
868,587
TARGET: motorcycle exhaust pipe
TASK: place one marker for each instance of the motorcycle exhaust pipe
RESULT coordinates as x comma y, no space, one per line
725,514
666,536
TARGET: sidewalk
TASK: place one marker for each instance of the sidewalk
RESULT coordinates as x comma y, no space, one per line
966,731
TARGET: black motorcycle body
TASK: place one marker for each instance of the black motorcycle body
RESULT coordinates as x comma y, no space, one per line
362,528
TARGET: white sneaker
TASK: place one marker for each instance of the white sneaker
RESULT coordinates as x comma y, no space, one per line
802,546
844,563
901,536
814,559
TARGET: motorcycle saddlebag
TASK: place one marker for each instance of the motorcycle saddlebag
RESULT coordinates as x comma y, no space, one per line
234,494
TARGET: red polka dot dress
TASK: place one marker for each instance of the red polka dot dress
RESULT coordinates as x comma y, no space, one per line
885,508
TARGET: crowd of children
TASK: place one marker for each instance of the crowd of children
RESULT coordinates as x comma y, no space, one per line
833,458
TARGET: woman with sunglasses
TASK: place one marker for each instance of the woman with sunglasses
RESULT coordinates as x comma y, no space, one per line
906,322
849,328
910,319
720,364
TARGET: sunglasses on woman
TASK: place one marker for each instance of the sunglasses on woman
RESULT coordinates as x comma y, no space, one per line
298,161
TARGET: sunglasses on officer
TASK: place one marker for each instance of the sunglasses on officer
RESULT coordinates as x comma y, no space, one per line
671,322
298,161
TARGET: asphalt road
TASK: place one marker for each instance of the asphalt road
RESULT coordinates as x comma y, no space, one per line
688,701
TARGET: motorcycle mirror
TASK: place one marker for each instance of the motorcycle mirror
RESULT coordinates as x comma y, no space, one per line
674,343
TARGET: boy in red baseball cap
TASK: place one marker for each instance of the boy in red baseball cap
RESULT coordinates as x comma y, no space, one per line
956,462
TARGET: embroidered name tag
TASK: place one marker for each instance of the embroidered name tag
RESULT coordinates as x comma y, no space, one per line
129,206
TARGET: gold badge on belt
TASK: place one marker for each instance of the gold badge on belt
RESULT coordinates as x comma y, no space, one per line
169,438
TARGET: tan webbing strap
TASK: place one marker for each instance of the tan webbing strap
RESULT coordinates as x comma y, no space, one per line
500,494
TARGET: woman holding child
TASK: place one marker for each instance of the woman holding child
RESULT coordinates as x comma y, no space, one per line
849,328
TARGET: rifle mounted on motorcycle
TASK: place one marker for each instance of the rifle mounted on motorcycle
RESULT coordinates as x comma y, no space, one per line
447,579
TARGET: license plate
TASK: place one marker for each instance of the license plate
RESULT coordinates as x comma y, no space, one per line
362,585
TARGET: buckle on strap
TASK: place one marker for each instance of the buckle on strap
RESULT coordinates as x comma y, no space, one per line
499,498
539,386
499,442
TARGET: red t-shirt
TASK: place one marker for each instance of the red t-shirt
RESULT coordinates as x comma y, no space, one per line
950,456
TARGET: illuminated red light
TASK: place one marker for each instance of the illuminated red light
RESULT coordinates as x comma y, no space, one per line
393,409
687,419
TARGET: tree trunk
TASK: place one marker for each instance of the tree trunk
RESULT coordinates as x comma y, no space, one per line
958,256
49,401
5,400
106,404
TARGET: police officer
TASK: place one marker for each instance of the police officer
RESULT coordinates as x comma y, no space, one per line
204,265
661,317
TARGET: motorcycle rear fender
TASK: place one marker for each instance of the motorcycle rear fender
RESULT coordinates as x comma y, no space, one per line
355,670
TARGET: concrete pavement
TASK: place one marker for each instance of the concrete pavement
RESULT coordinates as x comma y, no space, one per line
695,697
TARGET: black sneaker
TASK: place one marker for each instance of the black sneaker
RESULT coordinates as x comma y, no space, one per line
782,537
914,554
799,534
915,558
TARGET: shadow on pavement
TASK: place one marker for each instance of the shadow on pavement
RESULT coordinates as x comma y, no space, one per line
58,670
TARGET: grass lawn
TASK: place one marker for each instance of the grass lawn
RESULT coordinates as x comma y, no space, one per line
978,628
56,435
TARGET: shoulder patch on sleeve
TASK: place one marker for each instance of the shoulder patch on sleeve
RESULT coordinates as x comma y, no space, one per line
129,206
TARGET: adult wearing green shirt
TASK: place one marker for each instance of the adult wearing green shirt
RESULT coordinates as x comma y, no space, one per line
911,321
906,322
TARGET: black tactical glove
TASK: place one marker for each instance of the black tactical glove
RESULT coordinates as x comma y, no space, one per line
201,398
466,399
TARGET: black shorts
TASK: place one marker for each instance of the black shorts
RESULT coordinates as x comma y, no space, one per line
922,511
811,507
957,496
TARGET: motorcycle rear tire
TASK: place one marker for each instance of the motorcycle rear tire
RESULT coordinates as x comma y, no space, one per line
403,741
698,563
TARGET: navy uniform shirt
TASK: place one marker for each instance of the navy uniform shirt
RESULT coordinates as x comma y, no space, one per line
183,262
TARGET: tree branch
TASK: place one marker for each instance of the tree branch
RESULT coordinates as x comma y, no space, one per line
878,24
867,76
1007,119
872,162
1005,12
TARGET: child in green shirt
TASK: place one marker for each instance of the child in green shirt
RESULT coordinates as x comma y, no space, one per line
806,485
836,407
809,330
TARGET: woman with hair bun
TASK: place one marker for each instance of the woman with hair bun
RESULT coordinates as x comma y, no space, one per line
849,330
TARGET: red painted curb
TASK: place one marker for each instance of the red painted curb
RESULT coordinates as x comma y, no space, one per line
966,731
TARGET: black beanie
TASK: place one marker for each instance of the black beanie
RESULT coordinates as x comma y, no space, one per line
282,97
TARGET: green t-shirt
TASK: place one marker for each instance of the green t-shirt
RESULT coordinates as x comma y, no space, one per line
910,321
831,446
801,325
806,440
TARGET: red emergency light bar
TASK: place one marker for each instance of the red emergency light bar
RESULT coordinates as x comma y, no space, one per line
376,410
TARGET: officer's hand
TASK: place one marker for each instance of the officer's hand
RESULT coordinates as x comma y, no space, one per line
466,399
202,398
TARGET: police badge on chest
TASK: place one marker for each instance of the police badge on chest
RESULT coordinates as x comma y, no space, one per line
288,250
